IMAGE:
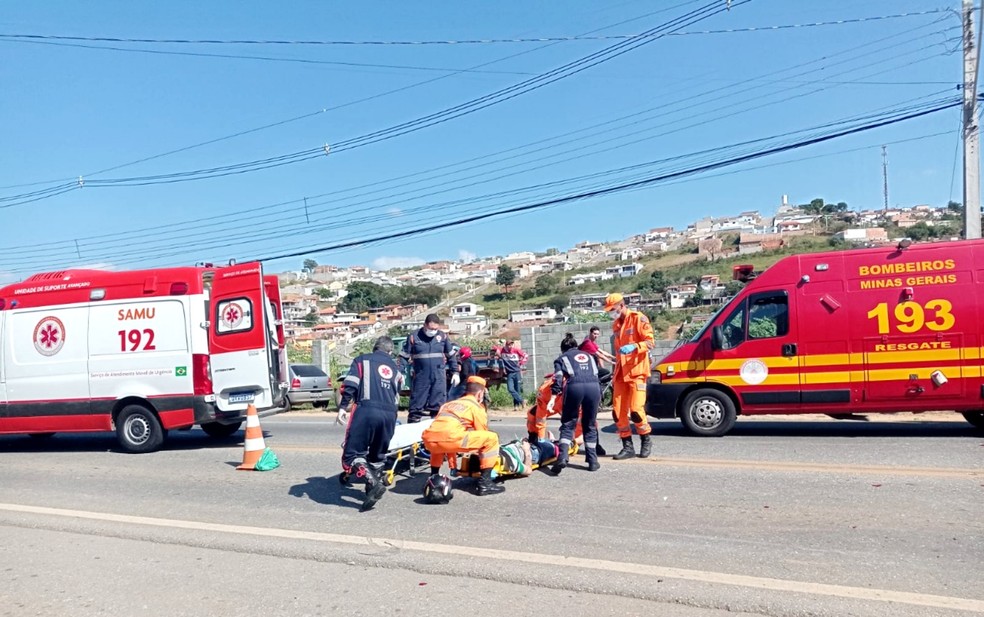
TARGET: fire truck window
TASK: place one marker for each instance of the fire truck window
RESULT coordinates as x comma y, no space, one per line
734,328
768,317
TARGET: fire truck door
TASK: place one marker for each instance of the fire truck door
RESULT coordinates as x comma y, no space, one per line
238,339
762,336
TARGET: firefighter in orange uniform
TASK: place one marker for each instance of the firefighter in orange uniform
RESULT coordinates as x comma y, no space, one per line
634,338
462,426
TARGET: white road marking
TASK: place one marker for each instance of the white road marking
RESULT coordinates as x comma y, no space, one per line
700,576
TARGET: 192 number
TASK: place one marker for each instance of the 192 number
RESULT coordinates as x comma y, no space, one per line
911,317
137,340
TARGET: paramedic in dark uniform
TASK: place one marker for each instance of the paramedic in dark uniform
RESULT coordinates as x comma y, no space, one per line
576,376
430,353
370,395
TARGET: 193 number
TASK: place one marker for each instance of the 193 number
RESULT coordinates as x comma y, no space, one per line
936,315
137,340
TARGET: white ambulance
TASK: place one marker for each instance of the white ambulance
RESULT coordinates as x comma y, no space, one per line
140,352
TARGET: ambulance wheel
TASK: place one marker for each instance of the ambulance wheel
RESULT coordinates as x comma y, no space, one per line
220,431
138,429
708,413
975,417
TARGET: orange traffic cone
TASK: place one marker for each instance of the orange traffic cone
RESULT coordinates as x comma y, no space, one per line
253,445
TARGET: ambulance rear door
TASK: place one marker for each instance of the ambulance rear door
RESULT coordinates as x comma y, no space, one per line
238,339
278,338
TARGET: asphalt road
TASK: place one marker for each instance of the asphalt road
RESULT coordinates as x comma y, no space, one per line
778,518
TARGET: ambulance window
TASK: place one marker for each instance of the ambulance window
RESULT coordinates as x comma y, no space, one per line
734,328
768,316
234,315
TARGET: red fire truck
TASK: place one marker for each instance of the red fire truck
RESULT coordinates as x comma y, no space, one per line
891,329
140,352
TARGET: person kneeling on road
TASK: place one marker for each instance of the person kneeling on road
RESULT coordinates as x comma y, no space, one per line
462,427
370,395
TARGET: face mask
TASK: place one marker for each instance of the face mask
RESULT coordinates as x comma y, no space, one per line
430,332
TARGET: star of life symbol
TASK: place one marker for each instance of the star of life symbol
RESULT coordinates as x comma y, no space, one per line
232,316
49,336
385,372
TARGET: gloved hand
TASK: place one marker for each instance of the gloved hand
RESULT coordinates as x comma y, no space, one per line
455,379
627,349
551,403
343,416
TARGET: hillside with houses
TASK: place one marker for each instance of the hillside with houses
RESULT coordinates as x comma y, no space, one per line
669,273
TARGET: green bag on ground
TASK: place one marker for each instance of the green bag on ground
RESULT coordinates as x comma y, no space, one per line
268,460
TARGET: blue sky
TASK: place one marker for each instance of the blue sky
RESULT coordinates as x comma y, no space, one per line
71,111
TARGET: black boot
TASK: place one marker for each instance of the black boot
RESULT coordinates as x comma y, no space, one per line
532,437
647,446
374,488
486,486
600,451
628,451
561,461
435,470
591,457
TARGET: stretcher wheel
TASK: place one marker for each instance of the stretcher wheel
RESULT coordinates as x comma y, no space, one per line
390,477
573,449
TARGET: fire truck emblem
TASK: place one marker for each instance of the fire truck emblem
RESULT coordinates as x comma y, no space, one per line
385,372
232,315
49,336
753,372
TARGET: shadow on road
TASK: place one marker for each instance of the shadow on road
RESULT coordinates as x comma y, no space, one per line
329,492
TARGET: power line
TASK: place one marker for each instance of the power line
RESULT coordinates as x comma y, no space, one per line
885,118
483,102
544,39
608,191
128,236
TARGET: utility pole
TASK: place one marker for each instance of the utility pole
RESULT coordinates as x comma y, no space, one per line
971,131
885,175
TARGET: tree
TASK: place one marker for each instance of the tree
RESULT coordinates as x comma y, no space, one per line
695,300
654,284
505,277
311,319
551,252
528,293
363,296
920,231
310,265
559,302
546,284
323,293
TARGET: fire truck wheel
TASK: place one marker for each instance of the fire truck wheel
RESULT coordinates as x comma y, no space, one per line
220,431
138,429
975,417
708,413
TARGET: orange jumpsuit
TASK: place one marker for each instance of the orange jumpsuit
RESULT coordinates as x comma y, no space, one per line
462,427
536,420
631,371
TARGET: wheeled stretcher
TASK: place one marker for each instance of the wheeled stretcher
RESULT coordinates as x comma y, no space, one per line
406,452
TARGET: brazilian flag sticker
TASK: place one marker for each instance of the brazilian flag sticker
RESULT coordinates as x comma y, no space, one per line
181,371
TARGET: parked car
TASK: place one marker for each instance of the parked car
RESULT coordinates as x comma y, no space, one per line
308,384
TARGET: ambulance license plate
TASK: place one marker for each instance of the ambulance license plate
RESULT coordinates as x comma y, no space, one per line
242,397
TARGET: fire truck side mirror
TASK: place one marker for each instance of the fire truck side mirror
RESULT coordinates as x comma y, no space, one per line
717,338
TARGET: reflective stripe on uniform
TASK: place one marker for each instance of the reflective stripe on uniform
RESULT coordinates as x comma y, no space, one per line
567,365
428,356
365,382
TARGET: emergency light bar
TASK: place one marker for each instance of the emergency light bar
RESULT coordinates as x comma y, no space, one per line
743,273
